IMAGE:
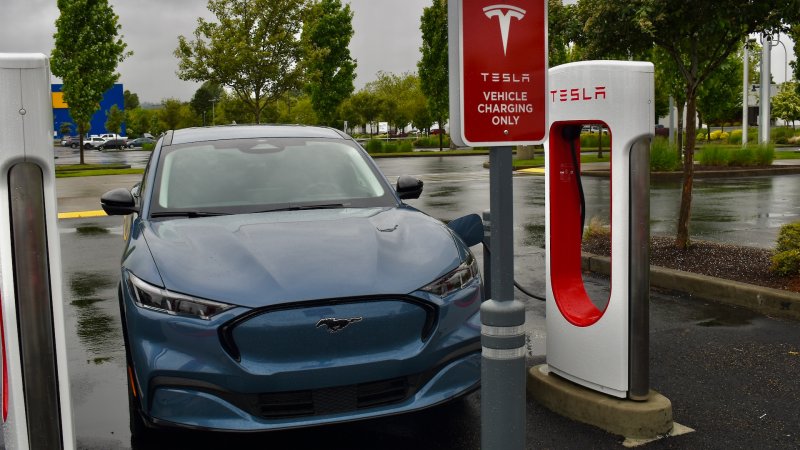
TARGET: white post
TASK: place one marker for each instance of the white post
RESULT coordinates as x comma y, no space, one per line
745,89
764,116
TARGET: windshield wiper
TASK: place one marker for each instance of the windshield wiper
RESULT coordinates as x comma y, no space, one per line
306,207
189,214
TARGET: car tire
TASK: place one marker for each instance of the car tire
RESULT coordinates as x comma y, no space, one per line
73,146
100,147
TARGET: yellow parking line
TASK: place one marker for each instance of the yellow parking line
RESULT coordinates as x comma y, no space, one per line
81,214
534,170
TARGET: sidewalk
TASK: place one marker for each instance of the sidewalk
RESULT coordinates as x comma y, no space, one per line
80,196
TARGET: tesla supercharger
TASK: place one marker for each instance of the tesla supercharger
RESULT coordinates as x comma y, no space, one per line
604,349
36,411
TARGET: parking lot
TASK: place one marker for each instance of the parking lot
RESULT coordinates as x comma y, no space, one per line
730,373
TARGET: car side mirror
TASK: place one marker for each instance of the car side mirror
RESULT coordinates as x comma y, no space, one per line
469,228
408,187
118,202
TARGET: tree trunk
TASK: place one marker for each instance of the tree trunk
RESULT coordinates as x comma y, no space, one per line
599,143
81,132
682,237
680,130
441,135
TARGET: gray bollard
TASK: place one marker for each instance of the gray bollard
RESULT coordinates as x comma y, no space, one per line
502,322
487,258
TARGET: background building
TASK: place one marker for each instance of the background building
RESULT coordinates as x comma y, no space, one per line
111,97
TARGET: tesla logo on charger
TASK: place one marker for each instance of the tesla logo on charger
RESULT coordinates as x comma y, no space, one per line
578,94
504,14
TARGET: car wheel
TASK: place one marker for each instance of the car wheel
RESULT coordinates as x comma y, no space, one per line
73,146
100,147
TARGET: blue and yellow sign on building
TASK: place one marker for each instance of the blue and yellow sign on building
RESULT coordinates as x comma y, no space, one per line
113,96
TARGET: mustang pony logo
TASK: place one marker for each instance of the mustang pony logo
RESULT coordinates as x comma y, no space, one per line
335,324
504,13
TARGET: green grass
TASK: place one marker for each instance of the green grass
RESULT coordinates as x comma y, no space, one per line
88,170
96,172
787,155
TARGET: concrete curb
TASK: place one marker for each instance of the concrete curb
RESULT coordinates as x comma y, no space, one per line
767,301
634,420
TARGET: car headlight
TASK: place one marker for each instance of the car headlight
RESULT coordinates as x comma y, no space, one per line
147,296
456,279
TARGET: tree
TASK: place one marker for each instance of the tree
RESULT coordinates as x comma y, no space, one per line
396,94
130,100
698,36
434,74
205,99
253,49
786,105
140,121
114,119
349,114
368,105
171,113
563,27
794,33
330,70
719,98
65,128
85,57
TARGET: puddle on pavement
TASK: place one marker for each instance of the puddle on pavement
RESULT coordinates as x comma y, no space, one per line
91,230
85,284
98,331
534,235
725,316
446,191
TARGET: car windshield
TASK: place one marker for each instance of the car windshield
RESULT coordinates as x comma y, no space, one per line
255,175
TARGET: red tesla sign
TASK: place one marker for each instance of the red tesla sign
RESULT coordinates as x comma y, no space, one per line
502,63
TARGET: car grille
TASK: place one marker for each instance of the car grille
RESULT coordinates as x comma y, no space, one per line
335,399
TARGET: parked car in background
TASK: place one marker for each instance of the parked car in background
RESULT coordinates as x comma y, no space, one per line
70,141
139,142
108,136
113,143
314,294
93,142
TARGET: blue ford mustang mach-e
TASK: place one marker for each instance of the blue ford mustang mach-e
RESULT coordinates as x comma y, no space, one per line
273,278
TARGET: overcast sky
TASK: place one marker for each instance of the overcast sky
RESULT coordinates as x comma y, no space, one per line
387,38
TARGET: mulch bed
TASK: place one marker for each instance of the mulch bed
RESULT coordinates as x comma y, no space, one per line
745,264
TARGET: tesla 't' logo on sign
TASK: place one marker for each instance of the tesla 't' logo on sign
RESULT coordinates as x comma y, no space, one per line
504,13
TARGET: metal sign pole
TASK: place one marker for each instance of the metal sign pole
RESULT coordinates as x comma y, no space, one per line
502,322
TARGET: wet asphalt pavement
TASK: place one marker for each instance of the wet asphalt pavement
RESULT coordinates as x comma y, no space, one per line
732,375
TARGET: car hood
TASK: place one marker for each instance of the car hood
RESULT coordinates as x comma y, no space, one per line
264,259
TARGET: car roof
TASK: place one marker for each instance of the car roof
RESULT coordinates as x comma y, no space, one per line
188,135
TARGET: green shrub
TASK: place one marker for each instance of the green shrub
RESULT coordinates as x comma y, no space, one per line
375,146
701,133
788,237
735,137
432,142
390,147
663,157
742,157
764,155
786,263
713,155
597,229
781,135
589,141
405,146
